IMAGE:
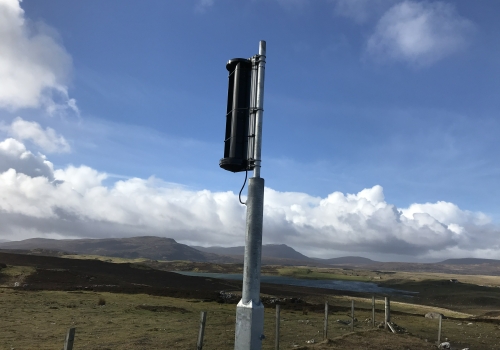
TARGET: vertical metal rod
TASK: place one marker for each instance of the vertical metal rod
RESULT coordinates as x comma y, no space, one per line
277,338
439,329
325,326
352,315
70,339
387,312
250,311
201,333
261,72
373,311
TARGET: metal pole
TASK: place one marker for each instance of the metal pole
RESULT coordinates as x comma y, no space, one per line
325,326
250,311
277,339
439,329
373,311
352,315
261,71
201,333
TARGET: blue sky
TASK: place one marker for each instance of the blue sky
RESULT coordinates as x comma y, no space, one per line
359,94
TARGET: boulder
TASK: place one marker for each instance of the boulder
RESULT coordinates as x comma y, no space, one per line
445,345
433,315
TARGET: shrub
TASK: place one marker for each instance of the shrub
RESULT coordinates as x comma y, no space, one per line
101,302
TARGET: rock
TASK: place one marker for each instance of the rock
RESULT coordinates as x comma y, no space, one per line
445,345
343,322
310,341
433,315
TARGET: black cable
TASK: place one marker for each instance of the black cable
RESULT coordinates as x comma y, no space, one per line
242,187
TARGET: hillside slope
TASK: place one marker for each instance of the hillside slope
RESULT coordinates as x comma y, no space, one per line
276,251
155,248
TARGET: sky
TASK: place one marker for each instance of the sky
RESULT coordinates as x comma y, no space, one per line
379,135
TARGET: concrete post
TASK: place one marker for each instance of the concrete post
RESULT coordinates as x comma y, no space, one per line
70,339
250,311
352,315
201,332
387,311
325,325
277,337
373,311
439,329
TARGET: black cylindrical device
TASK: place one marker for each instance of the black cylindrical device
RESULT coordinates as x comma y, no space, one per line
238,115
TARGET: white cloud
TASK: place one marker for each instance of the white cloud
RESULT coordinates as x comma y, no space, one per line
360,10
203,5
34,66
48,140
14,155
420,33
82,205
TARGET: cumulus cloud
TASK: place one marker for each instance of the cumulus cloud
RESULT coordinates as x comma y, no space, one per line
34,66
47,139
80,204
420,33
14,155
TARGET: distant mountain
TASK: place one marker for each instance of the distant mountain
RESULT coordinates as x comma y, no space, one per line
158,248
469,261
155,248
269,251
347,260
221,250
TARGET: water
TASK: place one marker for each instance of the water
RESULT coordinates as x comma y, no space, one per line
353,286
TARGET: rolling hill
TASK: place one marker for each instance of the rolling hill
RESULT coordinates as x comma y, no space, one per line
347,260
155,248
276,251
470,261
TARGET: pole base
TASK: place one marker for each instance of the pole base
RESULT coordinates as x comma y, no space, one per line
249,331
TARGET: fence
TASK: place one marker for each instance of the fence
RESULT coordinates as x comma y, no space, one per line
287,327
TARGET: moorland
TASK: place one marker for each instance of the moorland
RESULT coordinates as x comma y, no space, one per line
140,303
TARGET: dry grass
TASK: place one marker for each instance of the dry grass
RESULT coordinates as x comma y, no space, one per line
39,320
112,259
357,274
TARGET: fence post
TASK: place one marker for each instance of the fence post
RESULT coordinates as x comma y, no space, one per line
387,311
352,315
439,329
325,326
277,339
373,311
203,318
70,339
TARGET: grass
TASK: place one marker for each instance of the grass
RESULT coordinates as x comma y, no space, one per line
39,320
17,271
321,274
111,259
